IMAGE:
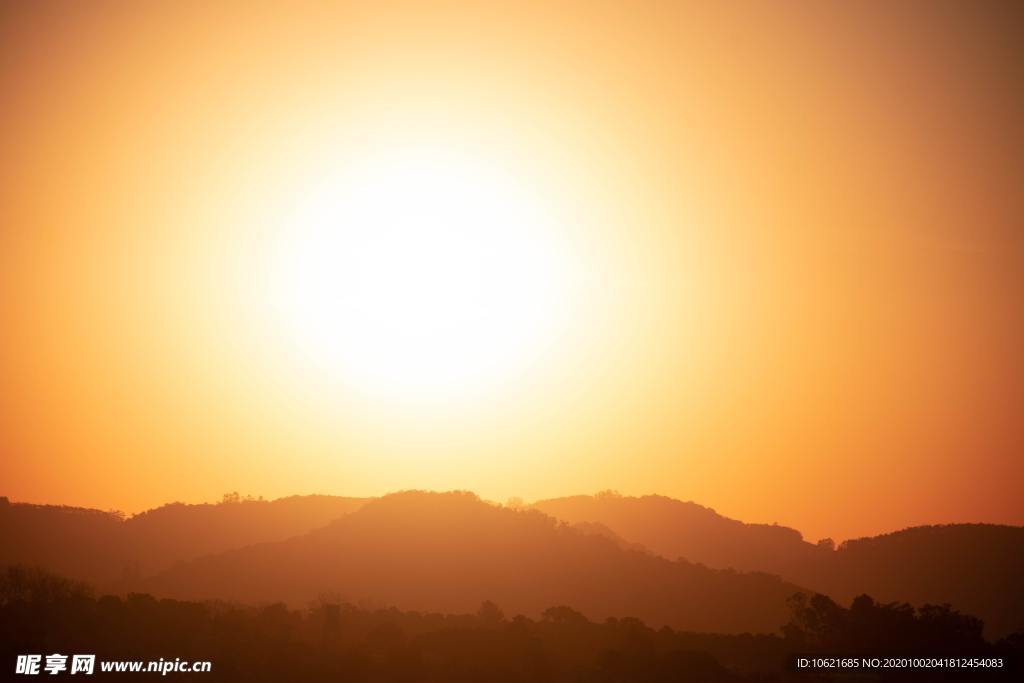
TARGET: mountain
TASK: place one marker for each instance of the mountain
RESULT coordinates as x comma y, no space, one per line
104,547
177,532
613,555
675,529
598,529
974,567
77,542
448,552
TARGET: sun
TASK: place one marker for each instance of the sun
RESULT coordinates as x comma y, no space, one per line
422,273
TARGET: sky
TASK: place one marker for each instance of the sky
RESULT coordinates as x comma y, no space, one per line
763,256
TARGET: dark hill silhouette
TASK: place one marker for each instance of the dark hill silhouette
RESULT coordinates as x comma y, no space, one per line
977,568
104,547
675,528
177,532
449,552
598,529
974,567
78,542
330,640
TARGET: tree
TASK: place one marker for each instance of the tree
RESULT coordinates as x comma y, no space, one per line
490,614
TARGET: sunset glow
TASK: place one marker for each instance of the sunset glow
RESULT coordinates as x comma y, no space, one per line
766,257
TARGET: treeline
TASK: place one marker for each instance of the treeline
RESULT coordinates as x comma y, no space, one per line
975,567
109,548
42,614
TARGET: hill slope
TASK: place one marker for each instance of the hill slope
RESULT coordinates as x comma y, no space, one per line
974,567
674,529
102,547
449,552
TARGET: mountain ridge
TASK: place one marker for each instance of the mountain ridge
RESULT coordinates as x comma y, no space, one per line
974,567
451,551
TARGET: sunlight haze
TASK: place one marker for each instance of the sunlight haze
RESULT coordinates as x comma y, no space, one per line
523,249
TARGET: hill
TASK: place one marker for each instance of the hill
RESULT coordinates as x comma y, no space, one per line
105,547
449,552
674,529
413,536
974,567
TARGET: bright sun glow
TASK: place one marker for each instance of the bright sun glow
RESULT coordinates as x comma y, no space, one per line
422,274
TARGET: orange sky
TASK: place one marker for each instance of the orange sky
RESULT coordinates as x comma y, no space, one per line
801,229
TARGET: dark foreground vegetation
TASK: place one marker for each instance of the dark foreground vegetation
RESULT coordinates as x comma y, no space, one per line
42,613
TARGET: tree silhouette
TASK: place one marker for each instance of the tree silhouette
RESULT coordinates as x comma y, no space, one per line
43,613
